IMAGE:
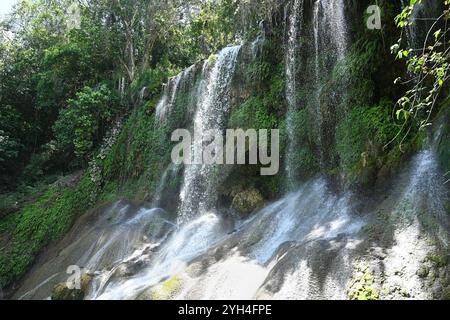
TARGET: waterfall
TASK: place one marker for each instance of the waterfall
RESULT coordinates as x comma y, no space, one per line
422,216
412,31
172,89
168,175
330,44
142,94
198,190
291,86
411,34
257,44
167,102
335,22
251,257
192,240
317,84
303,245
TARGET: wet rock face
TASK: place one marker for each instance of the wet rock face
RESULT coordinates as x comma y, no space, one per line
313,270
247,201
62,291
166,290
117,239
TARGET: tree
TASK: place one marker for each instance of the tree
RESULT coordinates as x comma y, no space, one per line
81,126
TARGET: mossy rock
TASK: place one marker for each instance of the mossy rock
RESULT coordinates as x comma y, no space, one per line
362,285
438,260
163,291
62,292
423,272
248,201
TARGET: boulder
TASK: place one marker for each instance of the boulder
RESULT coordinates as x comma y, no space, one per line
247,201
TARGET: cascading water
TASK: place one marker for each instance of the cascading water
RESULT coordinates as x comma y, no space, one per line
421,206
317,84
166,103
330,45
303,246
334,24
291,87
191,241
259,41
169,175
101,245
172,88
198,189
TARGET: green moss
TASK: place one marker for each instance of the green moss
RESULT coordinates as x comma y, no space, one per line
447,206
40,223
368,143
167,289
110,192
438,260
363,126
141,153
362,285
7,223
212,59
252,114
362,116
371,231
304,159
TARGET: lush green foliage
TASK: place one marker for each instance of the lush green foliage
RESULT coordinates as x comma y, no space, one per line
253,115
365,130
428,65
38,224
59,99
305,160
10,144
141,153
81,125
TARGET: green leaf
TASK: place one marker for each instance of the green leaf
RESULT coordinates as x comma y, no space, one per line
436,34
